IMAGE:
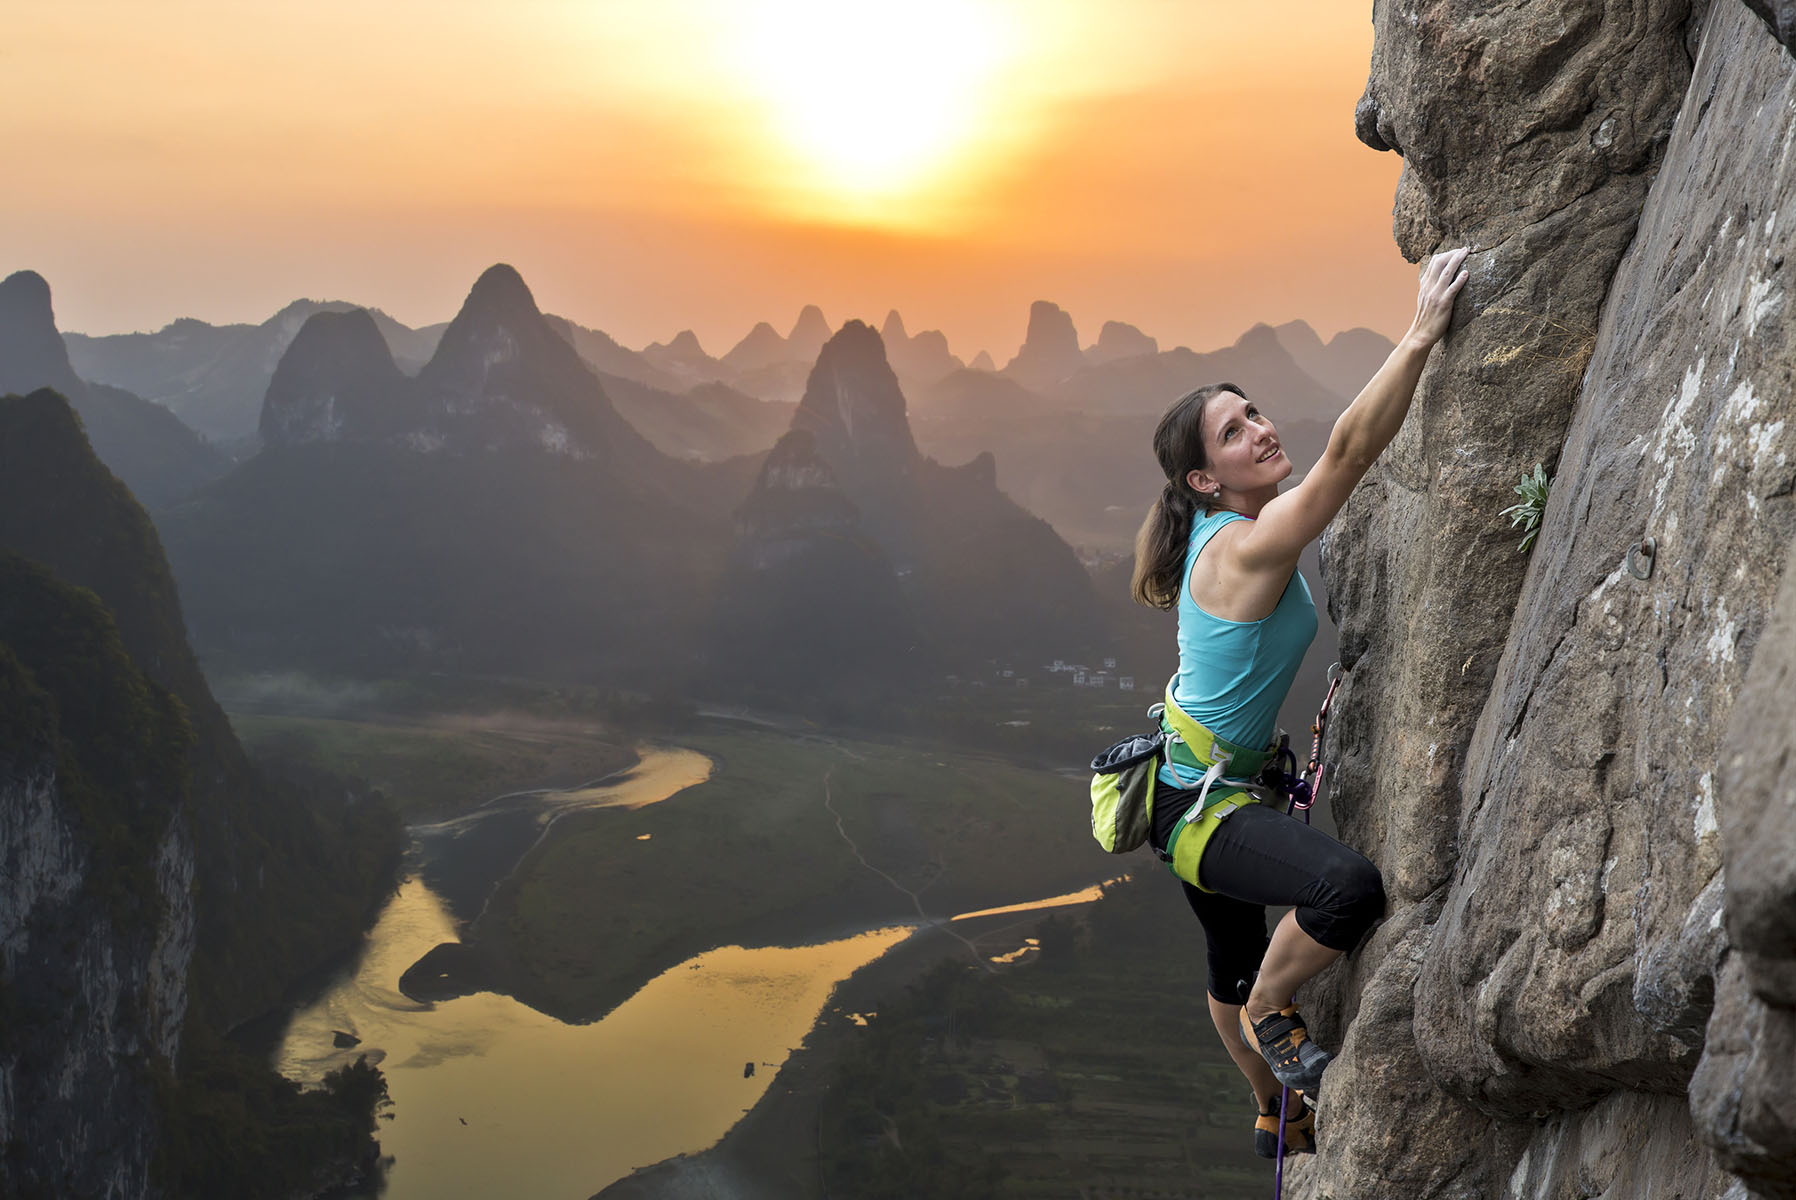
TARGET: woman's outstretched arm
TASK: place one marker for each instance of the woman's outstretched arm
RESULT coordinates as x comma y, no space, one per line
1293,520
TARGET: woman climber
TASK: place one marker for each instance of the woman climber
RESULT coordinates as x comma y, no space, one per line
1220,547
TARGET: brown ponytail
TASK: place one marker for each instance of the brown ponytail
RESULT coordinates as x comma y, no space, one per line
1165,535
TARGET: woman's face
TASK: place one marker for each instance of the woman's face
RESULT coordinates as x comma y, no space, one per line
1242,449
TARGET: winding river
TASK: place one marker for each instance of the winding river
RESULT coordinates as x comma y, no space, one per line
491,1097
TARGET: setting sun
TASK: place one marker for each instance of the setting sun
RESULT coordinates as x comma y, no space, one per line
871,107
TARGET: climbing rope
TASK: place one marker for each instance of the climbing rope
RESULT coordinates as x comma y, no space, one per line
1278,1181
1302,791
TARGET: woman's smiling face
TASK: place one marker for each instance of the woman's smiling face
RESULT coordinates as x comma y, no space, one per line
1242,448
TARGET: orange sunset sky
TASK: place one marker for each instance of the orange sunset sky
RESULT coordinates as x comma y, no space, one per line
1188,166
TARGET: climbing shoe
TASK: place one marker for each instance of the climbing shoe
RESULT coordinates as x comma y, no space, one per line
1300,1129
1285,1044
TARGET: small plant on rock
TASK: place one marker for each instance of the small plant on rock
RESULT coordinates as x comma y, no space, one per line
1526,516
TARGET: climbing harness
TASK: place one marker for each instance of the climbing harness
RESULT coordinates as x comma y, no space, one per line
1187,746
1246,777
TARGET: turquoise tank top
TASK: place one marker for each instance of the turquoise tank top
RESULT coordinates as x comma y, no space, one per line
1234,675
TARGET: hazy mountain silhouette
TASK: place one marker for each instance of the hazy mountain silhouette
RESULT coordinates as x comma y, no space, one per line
495,513
214,376
855,410
772,368
712,421
980,577
605,355
762,347
1079,453
808,334
1344,364
1149,383
1119,340
337,380
159,458
502,376
811,602
1050,351
685,360
919,360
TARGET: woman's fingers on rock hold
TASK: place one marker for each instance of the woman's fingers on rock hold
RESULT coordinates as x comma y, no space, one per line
1442,278
1445,265
1446,274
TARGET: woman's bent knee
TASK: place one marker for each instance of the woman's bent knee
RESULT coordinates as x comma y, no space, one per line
1348,901
1362,890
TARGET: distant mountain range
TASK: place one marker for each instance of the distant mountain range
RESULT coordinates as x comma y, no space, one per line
1071,429
497,512
412,484
215,377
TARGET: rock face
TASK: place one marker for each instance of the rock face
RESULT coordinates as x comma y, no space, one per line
1739,1096
152,881
1779,16
1547,755
96,928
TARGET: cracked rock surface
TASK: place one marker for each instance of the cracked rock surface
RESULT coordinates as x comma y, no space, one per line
1551,757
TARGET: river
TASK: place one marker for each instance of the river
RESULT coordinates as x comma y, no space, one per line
491,1097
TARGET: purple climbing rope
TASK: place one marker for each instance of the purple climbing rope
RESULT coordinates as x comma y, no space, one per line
1303,790
1278,1182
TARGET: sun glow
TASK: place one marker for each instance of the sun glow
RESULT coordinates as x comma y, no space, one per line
874,104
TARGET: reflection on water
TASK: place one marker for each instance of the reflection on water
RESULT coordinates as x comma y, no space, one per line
1082,896
492,1098
1029,946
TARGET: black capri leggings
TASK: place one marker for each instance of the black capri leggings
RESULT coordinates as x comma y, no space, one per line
1257,857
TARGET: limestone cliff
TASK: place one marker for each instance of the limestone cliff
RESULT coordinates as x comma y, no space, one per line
155,887
96,916
1568,764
